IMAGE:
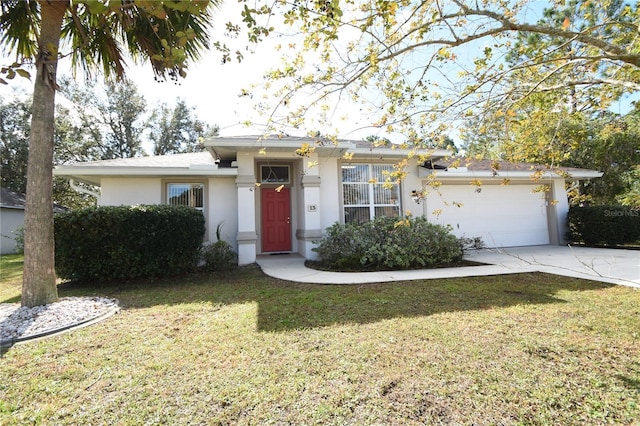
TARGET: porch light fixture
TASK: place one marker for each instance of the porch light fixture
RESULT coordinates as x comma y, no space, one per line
417,196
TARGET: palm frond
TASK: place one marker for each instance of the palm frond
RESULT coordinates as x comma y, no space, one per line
151,37
19,27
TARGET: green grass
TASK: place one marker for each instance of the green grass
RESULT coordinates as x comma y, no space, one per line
10,277
248,349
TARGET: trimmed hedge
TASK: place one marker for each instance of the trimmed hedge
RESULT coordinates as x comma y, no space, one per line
111,243
604,225
388,243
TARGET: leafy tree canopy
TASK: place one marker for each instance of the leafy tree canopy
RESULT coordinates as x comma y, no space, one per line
422,67
15,116
176,130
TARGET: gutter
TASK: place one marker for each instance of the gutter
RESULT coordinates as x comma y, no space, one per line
519,175
82,190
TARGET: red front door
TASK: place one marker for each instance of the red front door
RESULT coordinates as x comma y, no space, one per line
276,219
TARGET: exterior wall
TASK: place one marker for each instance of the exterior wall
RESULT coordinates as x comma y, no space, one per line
411,183
330,192
10,220
558,209
309,217
223,209
130,191
247,236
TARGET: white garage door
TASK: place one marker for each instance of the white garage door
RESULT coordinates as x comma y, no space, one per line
503,216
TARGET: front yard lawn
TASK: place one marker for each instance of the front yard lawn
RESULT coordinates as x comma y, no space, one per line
248,349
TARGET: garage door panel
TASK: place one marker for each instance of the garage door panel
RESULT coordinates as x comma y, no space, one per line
502,216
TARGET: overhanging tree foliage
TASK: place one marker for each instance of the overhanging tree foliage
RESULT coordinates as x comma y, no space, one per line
98,33
422,66
565,124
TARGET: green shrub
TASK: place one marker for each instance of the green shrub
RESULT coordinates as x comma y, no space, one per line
604,225
219,256
19,239
111,243
388,243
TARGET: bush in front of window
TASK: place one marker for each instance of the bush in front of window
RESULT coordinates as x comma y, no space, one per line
388,243
114,243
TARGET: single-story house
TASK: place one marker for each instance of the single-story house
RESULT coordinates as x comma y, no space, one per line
12,206
278,194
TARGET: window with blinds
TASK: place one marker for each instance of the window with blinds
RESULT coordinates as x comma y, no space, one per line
186,194
365,195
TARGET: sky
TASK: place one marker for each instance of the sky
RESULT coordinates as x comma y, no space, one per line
213,88
210,87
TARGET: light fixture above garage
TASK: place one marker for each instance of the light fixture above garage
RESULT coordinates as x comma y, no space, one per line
417,196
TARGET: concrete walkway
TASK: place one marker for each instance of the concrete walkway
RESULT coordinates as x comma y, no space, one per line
598,264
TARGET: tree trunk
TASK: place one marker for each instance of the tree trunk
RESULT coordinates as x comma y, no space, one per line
39,279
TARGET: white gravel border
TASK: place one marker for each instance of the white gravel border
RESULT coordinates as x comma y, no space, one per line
18,324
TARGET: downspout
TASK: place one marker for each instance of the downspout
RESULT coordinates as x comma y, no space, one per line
78,188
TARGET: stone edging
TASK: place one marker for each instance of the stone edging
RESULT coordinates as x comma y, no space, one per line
5,345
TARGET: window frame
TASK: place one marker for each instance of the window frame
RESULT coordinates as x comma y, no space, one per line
262,167
191,183
371,192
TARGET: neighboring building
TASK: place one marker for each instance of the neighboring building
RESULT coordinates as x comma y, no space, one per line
12,218
279,194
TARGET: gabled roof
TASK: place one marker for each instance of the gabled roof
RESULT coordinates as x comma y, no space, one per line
15,200
468,168
11,200
189,164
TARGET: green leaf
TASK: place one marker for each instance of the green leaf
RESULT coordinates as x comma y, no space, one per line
96,7
159,13
23,73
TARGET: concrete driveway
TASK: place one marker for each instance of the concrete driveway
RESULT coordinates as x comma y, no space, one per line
599,264
605,265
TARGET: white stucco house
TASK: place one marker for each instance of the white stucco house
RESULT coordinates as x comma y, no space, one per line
274,197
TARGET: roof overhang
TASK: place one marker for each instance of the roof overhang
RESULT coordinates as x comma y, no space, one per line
398,153
93,174
488,175
7,206
227,148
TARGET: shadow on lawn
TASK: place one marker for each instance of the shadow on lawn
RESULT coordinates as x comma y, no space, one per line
285,306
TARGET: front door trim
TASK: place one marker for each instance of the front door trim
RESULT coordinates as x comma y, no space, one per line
275,219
